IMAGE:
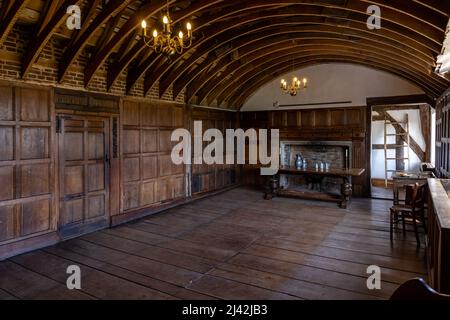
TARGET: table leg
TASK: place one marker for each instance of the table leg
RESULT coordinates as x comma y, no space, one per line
271,188
346,191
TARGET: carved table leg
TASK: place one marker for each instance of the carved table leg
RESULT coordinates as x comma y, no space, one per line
346,191
271,188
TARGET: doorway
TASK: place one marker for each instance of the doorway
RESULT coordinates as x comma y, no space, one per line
402,141
84,173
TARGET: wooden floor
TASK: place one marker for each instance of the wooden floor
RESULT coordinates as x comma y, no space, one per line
382,193
232,246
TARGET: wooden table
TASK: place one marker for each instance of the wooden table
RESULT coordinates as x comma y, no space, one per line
343,199
403,179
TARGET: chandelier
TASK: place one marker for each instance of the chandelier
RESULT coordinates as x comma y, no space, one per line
294,87
165,42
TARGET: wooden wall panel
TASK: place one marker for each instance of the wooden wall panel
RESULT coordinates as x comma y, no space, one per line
443,136
330,124
209,178
27,164
149,178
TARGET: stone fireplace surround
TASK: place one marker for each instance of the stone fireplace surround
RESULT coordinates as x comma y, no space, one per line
333,152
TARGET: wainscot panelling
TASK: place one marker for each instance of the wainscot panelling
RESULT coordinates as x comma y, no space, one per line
28,217
148,176
209,178
443,136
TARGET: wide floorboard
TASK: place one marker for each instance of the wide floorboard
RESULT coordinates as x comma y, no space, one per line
231,246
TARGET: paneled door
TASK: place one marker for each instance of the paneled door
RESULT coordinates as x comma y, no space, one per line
84,173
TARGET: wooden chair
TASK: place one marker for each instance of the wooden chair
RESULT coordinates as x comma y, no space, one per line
418,289
413,210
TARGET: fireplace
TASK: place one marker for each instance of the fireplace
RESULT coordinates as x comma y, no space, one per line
337,154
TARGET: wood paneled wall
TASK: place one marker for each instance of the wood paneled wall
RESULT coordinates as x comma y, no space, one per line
149,177
128,141
443,136
331,124
27,165
208,178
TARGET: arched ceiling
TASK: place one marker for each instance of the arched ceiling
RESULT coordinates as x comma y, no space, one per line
238,45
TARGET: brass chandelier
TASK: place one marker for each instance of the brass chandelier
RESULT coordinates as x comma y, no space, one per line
294,87
164,42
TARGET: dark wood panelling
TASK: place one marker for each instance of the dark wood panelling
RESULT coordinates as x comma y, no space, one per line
443,136
209,178
27,166
149,178
85,101
331,124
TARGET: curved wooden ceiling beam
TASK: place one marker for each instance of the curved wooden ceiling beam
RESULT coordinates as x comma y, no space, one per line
76,46
10,11
353,6
349,33
224,92
206,82
172,72
369,40
443,7
137,72
214,87
237,45
51,19
277,69
147,10
419,11
118,68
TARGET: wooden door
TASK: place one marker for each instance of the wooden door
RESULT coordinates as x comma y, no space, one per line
84,163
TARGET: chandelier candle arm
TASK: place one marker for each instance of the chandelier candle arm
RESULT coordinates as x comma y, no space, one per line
165,42
295,86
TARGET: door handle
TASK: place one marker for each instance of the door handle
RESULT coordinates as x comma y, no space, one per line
107,159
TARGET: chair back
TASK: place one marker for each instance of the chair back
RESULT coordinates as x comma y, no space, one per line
418,195
418,289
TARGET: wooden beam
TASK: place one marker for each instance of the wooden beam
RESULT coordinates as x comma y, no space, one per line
112,9
383,102
145,11
54,16
397,107
425,121
244,70
10,12
206,81
133,51
175,73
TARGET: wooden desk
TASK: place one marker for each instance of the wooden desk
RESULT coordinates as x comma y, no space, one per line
346,187
399,181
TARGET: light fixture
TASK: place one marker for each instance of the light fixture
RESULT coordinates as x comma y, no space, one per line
294,87
164,42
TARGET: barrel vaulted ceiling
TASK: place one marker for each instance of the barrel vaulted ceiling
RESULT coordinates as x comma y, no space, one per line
239,45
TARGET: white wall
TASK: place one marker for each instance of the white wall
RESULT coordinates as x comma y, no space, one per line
330,83
415,131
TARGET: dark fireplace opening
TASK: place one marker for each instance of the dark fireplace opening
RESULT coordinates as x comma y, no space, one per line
336,154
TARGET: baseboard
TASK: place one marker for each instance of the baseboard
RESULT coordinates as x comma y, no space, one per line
23,246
